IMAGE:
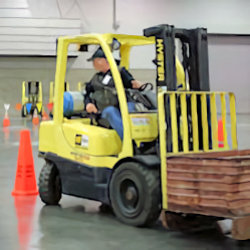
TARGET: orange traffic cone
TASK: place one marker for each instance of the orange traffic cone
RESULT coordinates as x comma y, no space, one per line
6,120
220,134
45,116
50,106
25,183
18,106
35,119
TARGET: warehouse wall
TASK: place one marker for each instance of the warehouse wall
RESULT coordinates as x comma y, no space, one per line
229,61
228,55
224,16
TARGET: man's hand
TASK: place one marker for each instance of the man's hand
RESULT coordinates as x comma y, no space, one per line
136,84
91,108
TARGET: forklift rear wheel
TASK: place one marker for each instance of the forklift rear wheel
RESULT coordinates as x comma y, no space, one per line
41,113
24,111
50,184
135,194
33,111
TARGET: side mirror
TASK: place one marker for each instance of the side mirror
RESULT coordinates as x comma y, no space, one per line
83,47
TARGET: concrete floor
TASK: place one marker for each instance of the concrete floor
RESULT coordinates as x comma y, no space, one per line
25,223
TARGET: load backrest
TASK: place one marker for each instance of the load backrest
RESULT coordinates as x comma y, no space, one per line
198,121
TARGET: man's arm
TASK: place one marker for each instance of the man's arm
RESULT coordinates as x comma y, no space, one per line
128,80
136,84
89,103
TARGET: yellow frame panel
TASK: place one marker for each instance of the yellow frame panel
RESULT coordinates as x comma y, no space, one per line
194,122
163,148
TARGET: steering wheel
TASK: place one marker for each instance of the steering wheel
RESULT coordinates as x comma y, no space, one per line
94,116
145,85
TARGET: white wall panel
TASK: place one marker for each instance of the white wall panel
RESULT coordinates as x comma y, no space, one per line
26,46
35,35
32,52
28,38
38,31
15,13
13,4
40,22
224,16
229,63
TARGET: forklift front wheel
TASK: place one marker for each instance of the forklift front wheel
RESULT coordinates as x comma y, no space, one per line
135,194
24,111
50,184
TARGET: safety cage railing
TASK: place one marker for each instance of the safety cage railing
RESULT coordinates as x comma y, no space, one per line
197,121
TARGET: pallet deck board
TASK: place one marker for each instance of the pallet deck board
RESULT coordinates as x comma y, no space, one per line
216,184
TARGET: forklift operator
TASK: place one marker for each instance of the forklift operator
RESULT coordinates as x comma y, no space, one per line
101,95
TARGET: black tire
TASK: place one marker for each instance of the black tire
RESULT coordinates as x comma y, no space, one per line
41,113
24,111
33,111
50,184
135,194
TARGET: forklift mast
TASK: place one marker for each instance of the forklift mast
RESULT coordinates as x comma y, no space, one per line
33,91
194,50
194,53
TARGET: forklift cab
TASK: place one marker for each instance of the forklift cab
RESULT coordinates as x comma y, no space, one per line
141,124
140,127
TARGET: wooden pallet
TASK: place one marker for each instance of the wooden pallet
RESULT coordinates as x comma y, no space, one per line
215,184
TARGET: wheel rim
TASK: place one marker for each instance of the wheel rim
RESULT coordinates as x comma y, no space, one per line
129,197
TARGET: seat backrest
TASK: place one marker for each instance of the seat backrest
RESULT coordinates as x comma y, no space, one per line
73,103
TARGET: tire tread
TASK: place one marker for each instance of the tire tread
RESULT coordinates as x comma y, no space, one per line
46,179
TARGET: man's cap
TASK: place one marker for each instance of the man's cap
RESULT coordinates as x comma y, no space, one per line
98,54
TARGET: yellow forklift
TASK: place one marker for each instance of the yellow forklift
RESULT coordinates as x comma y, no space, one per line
169,159
32,98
